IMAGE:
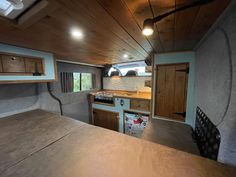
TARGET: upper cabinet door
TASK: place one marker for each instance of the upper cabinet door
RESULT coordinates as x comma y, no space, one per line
13,64
34,65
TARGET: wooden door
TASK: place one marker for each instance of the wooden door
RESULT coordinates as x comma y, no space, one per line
106,119
171,91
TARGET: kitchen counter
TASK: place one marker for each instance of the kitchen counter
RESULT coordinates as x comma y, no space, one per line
37,148
126,94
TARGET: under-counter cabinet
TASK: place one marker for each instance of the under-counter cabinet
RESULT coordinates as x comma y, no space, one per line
106,119
113,116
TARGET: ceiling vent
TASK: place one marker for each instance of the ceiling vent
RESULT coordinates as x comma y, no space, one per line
11,9
24,13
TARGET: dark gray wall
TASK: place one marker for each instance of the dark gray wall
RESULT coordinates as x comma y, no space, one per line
213,82
16,98
75,105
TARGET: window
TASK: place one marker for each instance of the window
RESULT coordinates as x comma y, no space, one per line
138,67
75,82
86,81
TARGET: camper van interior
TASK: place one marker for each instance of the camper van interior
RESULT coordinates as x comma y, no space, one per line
117,88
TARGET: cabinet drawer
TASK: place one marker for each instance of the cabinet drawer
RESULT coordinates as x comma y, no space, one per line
13,64
0,64
33,65
142,105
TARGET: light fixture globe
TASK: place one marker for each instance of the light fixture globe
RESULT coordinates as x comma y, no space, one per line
148,27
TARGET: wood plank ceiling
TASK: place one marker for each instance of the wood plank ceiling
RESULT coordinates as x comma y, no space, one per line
112,28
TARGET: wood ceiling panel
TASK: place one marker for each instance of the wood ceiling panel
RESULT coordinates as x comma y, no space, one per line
96,37
183,24
206,17
141,10
102,18
113,27
165,26
104,37
48,39
119,11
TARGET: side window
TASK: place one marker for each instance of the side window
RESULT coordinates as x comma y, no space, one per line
86,81
76,82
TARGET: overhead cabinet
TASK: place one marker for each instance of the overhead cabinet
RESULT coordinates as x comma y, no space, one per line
21,64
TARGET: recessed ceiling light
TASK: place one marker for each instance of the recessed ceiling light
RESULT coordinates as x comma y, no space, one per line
76,33
125,56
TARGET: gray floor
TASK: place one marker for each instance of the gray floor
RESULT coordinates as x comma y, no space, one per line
172,134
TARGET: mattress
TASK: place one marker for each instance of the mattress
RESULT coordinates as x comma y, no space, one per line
43,144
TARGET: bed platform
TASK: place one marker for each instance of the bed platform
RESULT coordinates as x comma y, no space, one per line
172,134
43,144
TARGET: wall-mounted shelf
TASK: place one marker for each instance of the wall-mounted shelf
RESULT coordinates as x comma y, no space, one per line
21,65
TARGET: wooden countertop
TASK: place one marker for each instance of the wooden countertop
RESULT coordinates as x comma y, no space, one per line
127,94
37,148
